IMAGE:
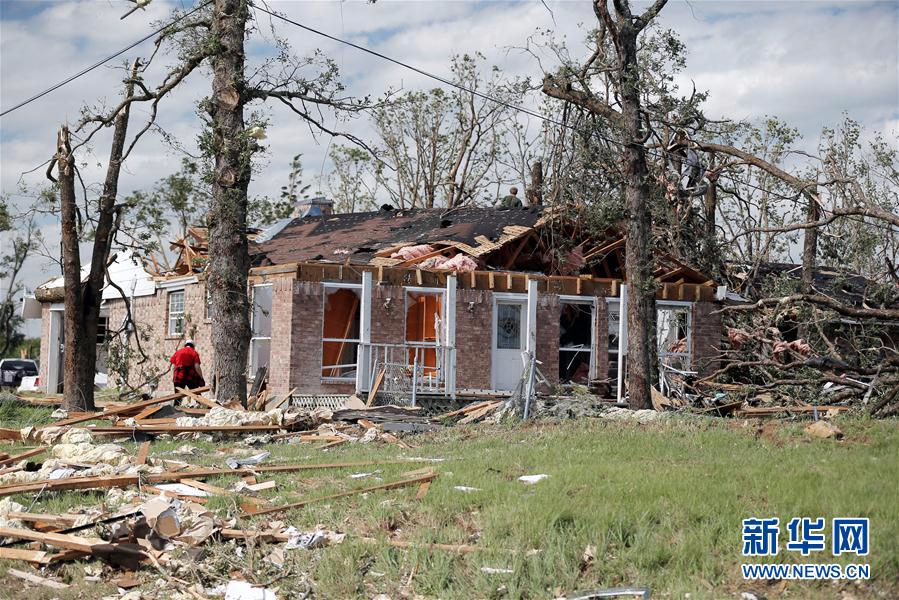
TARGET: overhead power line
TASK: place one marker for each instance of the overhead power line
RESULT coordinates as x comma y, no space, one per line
100,63
484,96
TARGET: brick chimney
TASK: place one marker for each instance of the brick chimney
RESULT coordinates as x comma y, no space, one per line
313,207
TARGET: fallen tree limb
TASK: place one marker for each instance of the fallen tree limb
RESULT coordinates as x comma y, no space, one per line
820,300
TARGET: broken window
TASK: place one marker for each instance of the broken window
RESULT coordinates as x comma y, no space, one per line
261,322
102,329
176,313
424,317
673,335
673,327
575,341
340,332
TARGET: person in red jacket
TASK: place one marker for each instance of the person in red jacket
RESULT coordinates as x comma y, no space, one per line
187,373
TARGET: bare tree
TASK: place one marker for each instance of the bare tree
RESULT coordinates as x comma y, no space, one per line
82,299
23,243
434,148
623,29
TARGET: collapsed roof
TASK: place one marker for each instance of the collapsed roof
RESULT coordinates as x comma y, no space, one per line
359,238
517,239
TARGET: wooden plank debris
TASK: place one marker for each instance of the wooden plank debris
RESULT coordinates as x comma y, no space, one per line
109,481
277,403
38,580
142,451
198,398
55,521
384,486
137,407
57,540
374,388
751,411
262,486
20,457
37,557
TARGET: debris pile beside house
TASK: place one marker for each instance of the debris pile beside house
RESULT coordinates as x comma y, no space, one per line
152,516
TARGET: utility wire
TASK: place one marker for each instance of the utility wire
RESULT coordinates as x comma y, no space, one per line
484,96
100,63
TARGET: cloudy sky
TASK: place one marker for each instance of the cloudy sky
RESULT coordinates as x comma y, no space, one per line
805,62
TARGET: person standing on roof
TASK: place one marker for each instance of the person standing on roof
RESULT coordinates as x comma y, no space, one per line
510,201
187,373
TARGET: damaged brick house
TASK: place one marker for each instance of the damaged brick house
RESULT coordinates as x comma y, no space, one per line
449,299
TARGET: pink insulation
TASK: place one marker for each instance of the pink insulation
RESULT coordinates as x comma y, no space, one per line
410,252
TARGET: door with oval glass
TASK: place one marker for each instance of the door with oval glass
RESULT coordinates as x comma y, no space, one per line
508,342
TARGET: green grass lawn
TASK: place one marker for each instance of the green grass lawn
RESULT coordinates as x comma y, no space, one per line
661,504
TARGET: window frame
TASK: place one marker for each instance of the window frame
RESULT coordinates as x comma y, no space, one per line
171,331
591,349
687,353
255,339
439,331
326,287
207,309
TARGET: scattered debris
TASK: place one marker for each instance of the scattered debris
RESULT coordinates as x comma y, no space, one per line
532,479
243,590
823,430
496,571
466,489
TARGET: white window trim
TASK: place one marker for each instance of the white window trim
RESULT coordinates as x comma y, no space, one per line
440,330
591,302
168,312
254,339
687,353
207,305
357,341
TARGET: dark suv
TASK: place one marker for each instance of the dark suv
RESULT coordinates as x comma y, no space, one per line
12,370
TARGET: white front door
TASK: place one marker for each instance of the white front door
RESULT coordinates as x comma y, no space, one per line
508,343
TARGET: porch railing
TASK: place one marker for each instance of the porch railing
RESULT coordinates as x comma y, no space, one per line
408,369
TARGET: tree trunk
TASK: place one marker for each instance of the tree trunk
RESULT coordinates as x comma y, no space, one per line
534,192
88,310
78,373
229,261
641,348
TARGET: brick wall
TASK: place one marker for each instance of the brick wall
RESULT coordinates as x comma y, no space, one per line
151,315
706,337
474,338
548,335
279,365
297,310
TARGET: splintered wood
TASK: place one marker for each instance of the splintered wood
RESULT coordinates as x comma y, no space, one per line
473,412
